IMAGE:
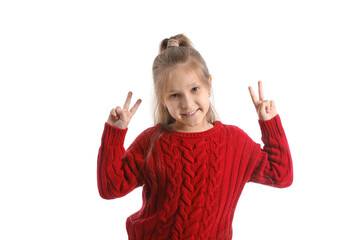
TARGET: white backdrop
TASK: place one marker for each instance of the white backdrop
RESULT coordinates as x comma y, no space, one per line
65,64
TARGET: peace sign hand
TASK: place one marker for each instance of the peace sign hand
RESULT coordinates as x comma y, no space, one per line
120,117
265,109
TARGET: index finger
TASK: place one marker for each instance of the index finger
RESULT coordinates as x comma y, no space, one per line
135,107
253,95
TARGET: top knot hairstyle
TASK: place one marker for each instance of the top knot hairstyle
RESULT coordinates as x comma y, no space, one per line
179,40
174,52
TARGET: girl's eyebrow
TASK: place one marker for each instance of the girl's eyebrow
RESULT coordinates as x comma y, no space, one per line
188,86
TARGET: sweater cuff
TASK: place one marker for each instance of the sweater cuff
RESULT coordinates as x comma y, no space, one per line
272,127
113,136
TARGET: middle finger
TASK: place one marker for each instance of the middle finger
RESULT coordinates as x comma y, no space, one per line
128,100
261,92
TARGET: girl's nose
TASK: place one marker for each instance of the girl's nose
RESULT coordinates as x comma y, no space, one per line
186,102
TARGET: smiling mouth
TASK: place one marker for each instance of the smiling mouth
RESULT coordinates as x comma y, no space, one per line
189,114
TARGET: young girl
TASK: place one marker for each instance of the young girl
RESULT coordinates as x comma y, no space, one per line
192,167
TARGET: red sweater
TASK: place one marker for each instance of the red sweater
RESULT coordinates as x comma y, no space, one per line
191,181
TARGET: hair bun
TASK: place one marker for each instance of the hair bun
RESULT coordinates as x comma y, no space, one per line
172,43
179,40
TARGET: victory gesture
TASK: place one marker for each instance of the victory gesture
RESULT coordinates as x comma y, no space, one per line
120,117
264,108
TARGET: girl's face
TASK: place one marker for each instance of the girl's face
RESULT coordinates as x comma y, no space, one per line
187,100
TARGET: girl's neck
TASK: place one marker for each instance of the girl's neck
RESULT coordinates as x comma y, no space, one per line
187,129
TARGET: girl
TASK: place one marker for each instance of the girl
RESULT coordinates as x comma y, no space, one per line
192,167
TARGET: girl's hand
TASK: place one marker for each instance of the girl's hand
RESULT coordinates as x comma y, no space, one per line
120,117
264,108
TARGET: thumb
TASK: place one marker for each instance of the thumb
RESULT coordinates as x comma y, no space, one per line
272,104
113,112
265,105
118,110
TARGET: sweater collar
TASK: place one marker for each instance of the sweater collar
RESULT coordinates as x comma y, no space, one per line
216,128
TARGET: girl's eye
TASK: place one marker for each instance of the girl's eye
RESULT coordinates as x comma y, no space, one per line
195,89
174,95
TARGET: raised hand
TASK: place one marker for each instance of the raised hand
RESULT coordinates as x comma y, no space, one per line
120,117
265,109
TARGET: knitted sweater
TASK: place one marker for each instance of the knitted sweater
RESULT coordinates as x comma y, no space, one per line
191,181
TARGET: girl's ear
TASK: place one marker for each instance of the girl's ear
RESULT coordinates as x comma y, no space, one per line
210,81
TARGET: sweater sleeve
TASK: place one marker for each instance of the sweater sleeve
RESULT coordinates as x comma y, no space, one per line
273,163
118,171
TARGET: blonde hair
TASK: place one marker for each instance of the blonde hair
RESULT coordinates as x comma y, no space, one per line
174,52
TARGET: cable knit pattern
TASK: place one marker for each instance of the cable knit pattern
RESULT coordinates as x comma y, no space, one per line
193,155
173,171
191,181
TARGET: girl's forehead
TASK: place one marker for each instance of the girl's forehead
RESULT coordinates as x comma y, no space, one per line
183,77
181,72
188,71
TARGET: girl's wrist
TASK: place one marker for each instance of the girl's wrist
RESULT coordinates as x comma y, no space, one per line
267,118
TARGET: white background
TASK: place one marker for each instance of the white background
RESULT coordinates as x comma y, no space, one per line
65,64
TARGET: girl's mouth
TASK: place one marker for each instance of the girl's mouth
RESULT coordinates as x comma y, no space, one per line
190,114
